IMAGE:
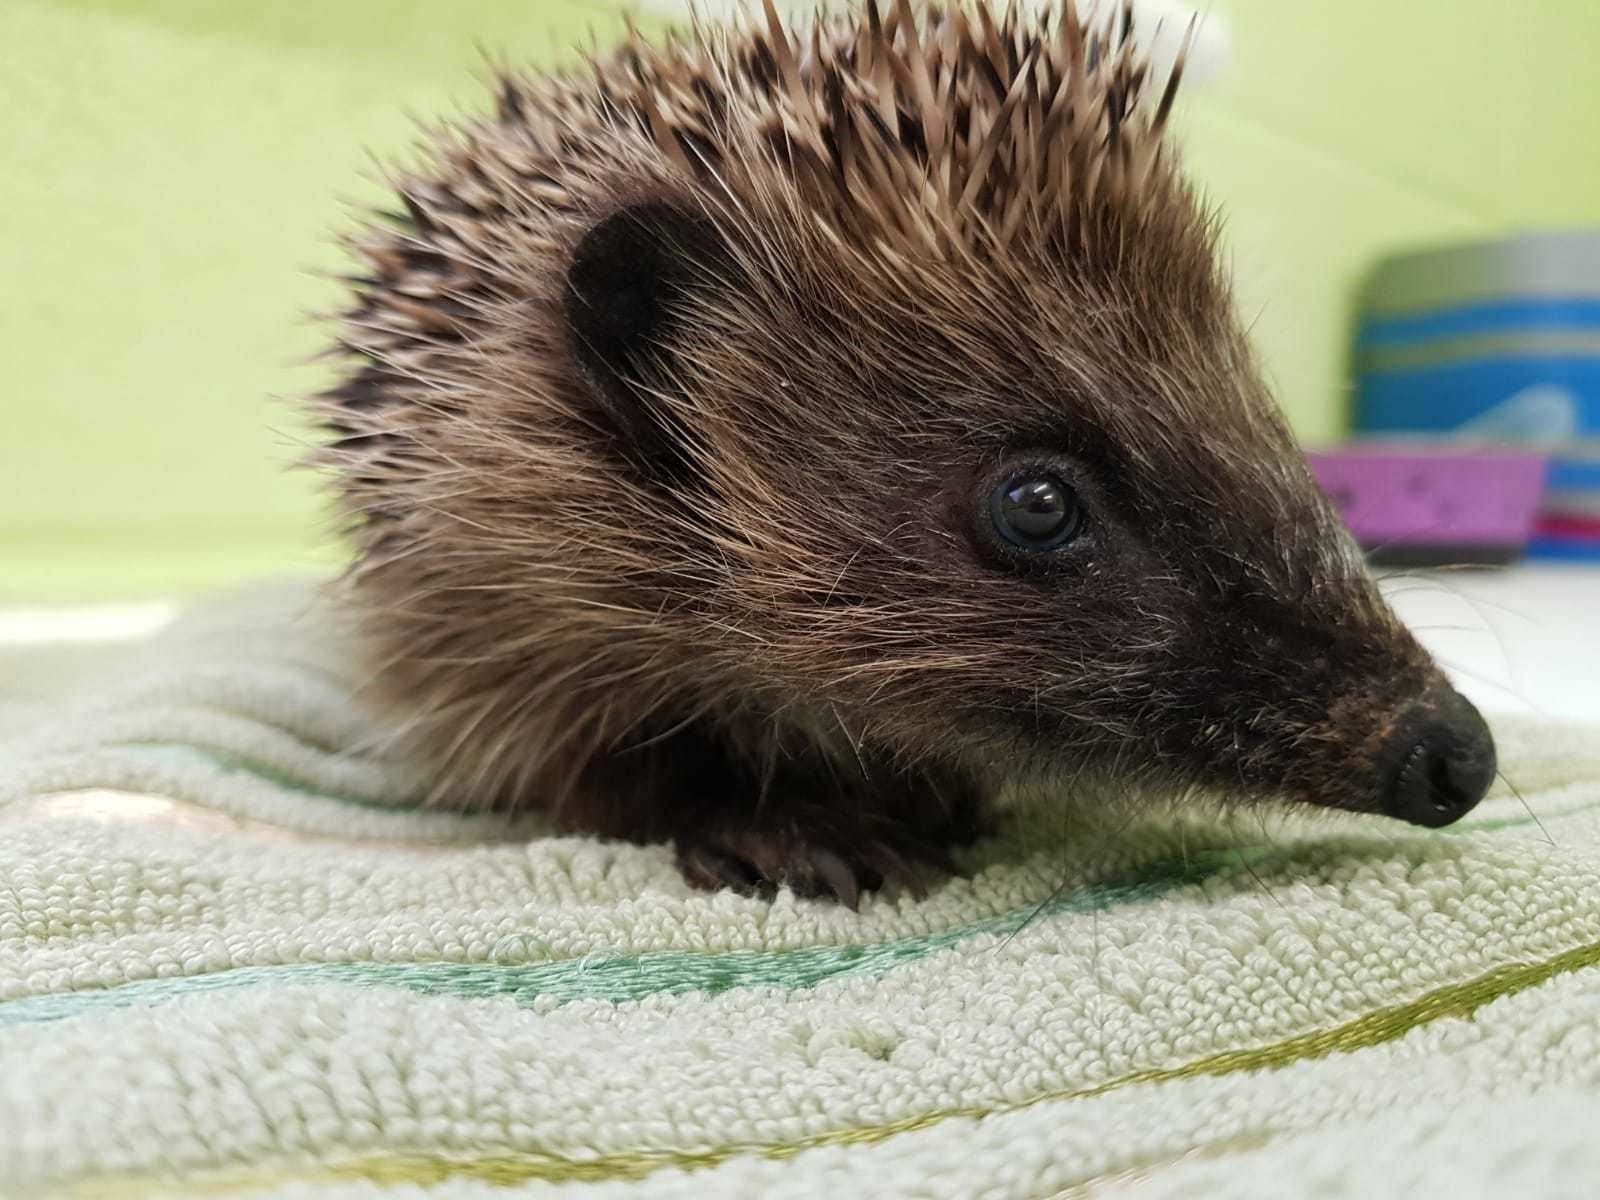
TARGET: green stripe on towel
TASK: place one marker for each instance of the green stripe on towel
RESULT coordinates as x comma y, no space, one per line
636,976
632,976
1457,1000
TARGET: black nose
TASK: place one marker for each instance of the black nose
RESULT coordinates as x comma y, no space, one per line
1440,761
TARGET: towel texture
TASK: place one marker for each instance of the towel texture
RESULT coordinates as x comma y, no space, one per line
233,960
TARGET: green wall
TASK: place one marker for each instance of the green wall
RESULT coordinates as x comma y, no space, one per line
1348,128
170,169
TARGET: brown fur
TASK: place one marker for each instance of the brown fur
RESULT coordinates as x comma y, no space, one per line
728,588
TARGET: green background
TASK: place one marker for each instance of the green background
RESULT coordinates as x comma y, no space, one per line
172,170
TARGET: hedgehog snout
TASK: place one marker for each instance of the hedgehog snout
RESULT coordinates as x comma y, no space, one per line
1437,761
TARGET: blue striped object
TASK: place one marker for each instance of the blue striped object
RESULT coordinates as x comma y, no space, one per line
1494,396
1497,341
1522,314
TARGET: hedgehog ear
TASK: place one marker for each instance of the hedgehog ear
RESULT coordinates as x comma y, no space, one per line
623,282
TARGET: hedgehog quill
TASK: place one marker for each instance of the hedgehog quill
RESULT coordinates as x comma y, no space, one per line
778,442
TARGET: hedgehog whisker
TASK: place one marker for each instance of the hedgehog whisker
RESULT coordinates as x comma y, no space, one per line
1517,792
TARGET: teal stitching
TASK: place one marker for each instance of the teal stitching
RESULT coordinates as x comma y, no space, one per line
633,976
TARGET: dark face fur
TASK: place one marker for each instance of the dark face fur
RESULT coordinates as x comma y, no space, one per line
682,410
1204,618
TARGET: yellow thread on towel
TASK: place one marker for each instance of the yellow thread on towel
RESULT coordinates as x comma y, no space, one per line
1374,1028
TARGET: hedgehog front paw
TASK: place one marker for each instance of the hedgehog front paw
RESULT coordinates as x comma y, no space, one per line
757,862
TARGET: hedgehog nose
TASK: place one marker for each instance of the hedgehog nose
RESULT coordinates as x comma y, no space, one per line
1440,760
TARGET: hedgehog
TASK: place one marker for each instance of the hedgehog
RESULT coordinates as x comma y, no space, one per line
787,442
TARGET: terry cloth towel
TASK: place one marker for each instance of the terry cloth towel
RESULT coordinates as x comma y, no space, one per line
232,961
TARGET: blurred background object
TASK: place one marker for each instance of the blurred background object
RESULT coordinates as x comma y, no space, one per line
171,169
1492,343
1434,506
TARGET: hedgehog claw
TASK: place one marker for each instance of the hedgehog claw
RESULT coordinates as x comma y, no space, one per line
709,868
757,862
841,878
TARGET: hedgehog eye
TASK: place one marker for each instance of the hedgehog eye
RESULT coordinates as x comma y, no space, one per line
1036,511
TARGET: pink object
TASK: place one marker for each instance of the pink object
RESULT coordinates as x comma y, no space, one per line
1440,498
1563,525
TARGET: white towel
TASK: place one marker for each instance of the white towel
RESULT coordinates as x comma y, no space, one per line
231,959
